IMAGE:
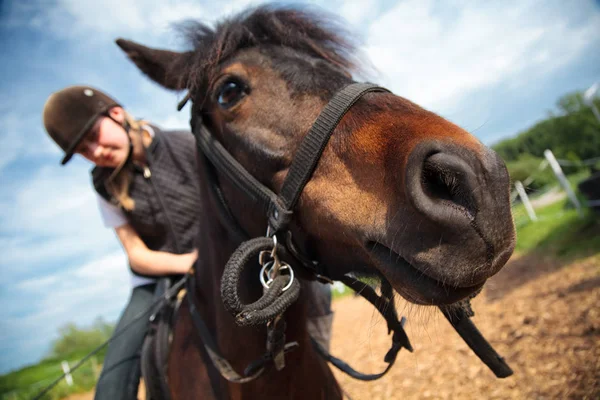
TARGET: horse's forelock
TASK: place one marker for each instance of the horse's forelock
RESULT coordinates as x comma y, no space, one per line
321,37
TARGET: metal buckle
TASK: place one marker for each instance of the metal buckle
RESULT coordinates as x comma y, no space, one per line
272,267
268,272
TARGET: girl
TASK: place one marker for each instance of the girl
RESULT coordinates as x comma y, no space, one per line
146,182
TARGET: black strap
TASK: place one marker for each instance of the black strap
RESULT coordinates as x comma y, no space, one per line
460,321
154,361
253,370
220,363
345,367
155,350
307,157
280,208
164,323
234,171
386,306
312,147
224,214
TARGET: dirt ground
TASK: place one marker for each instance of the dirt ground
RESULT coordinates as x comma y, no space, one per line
541,315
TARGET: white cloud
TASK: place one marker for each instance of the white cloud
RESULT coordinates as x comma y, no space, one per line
116,17
436,61
357,12
55,200
176,121
162,110
11,142
132,17
99,287
234,6
15,141
51,219
37,284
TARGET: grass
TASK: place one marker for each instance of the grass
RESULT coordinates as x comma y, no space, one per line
559,231
27,382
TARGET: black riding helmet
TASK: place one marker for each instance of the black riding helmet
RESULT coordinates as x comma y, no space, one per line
71,112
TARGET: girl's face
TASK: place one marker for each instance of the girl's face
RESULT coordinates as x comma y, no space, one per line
106,144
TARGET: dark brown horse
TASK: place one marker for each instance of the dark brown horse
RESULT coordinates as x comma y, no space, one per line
399,192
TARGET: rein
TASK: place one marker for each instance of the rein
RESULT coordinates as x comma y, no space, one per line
167,296
278,258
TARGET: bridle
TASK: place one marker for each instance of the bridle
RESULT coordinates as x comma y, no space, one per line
278,254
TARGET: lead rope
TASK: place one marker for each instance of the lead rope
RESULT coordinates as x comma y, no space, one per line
280,291
254,369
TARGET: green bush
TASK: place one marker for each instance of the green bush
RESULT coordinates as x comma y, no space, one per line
73,344
74,340
572,133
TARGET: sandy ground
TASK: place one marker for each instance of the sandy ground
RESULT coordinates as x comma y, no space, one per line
541,315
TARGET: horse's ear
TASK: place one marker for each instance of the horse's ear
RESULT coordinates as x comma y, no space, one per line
162,66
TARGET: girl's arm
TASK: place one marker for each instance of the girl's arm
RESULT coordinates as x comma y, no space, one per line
149,262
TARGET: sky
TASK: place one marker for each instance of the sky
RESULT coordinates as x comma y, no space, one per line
493,67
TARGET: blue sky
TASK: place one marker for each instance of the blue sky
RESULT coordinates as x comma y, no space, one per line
493,67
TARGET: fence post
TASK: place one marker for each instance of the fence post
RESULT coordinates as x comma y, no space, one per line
563,180
67,371
525,200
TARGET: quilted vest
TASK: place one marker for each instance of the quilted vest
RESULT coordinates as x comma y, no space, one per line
167,199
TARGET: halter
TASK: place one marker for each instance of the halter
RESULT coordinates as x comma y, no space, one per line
278,258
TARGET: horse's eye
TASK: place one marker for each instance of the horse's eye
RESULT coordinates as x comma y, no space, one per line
230,93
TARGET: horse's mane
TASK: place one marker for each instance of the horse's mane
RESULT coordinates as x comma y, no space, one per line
320,37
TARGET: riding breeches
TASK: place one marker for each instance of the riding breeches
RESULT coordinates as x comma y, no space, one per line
121,371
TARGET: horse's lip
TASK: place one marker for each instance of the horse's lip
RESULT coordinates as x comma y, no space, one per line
414,284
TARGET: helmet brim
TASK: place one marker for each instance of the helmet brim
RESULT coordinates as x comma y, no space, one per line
79,137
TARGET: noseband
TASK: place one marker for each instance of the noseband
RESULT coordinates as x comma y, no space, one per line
277,253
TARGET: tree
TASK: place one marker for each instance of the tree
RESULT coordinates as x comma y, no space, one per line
571,103
75,340
572,132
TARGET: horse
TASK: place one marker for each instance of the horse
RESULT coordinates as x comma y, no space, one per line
398,193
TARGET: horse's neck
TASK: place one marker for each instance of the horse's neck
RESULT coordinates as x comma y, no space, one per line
216,246
241,345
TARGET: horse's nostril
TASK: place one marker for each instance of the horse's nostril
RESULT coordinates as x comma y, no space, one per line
452,185
438,183
445,177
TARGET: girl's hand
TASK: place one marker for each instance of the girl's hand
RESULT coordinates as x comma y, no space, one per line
187,261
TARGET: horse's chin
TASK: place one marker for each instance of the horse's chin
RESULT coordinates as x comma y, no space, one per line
414,284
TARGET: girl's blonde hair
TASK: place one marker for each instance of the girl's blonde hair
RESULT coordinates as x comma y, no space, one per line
118,183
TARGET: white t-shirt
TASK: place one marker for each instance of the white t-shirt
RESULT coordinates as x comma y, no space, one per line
113,217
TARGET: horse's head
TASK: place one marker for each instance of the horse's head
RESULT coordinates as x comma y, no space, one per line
398,191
